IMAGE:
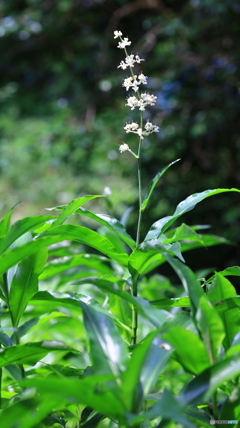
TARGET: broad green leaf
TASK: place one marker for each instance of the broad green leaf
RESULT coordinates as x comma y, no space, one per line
148,360
27,413
231,271
111,223
88,237
189,281
30,353
20,228
59,265
123,311
72,207
154,183
211,328
220,290
186,233
90,391
201,388
188,204
190,350
12,257
108,350
150,251
24,283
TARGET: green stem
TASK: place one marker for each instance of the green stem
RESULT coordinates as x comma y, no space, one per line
134,311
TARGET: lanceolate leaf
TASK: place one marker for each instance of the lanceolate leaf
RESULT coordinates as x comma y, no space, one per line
88,237
20,228
147,362
5,224
112,224
15,255
24,283
188,204
150,251
211,328
153,184
71,208
220,291
189,281
30,352
190,350
203,386
108,350
90,391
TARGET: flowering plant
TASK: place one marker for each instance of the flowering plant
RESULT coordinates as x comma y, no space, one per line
112,340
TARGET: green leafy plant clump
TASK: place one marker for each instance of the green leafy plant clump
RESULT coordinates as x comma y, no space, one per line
92,335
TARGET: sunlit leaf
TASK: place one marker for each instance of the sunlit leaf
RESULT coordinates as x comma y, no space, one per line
30,353
112,224
20,228
190,350
69,209
108,350
203,386
220,290
147,362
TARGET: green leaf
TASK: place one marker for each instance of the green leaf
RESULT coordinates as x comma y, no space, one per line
111,223
211,328
15,255
153,185
181,302
88,237
24,283
72,207
189,349
5,224
201,388
20,228
90,391
169,408
108,350
231,407
231,271
189,281
68,262
147,362
30,353
150,251
188,204
220,290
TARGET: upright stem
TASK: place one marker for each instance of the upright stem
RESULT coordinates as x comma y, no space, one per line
135,278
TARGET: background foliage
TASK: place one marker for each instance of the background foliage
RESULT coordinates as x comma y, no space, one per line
62,106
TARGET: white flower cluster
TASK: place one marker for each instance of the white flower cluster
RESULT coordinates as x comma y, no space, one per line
135,128
141,100
130,61
145,99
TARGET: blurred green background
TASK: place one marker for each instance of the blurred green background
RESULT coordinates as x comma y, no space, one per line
62,108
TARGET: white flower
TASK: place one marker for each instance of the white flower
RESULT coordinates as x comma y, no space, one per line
122,65
132,102
117,34
142,79
149,128
128,82
125,42
131,127
138,59
123,148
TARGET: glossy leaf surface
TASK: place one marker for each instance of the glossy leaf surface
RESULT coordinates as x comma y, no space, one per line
188,204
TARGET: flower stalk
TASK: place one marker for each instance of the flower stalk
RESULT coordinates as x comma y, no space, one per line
140,101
